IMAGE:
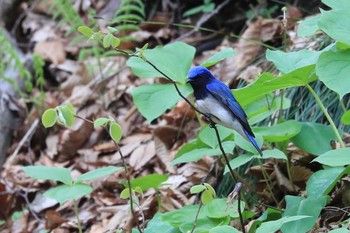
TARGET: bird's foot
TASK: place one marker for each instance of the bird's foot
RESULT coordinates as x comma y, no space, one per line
208,117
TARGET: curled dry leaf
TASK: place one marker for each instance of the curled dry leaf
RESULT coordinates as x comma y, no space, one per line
53,220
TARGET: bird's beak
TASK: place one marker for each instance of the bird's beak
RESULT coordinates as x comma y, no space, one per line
189,81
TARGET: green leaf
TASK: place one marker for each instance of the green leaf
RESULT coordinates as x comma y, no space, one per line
97,173
210,189
49,117
239,161
49,173
219,208
274,153
264,107
183,215
206,197
115,131
150,99
112,29
157,223
280,132
288,62
333,68
273,226
218,57
173,59
66,114
86,31
64,193
208,135
197,188
295,206
337,5
345,119
203,224
247,145
314,138
107,40
336,23
323,181
149,181
125,194
268,83
196,154
110,40
101,122
334,158
224,229
308,26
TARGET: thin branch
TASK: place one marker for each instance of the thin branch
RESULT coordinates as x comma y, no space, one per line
212,125
238,187
196,218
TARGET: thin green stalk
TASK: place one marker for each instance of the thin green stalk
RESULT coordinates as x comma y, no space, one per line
342,105
266,176
289,173
196,218
324,110
76,211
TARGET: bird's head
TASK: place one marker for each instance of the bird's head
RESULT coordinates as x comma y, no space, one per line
198,75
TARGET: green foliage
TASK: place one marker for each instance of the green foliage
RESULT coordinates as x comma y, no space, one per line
10,58
114,129
300,206
207,6
328,158
346,118
149,181
64,114
314,138
65,12
70,189
273,226
323,181
207,192
333,68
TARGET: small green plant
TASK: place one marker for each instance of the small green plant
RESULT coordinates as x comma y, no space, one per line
70,189
65,12
11,60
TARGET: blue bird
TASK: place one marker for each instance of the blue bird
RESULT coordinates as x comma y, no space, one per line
216,100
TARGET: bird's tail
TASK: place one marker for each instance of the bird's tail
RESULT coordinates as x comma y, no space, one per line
252,140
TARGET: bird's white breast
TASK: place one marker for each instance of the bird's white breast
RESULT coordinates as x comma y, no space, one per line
221,114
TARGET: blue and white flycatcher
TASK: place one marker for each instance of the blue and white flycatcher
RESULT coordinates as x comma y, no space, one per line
216,100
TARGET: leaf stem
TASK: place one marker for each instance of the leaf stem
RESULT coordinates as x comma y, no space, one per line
196,218
76,212
324,110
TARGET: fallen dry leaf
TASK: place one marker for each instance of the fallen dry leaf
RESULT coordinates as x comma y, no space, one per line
51,51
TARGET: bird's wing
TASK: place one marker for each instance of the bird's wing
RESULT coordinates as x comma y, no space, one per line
224,95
